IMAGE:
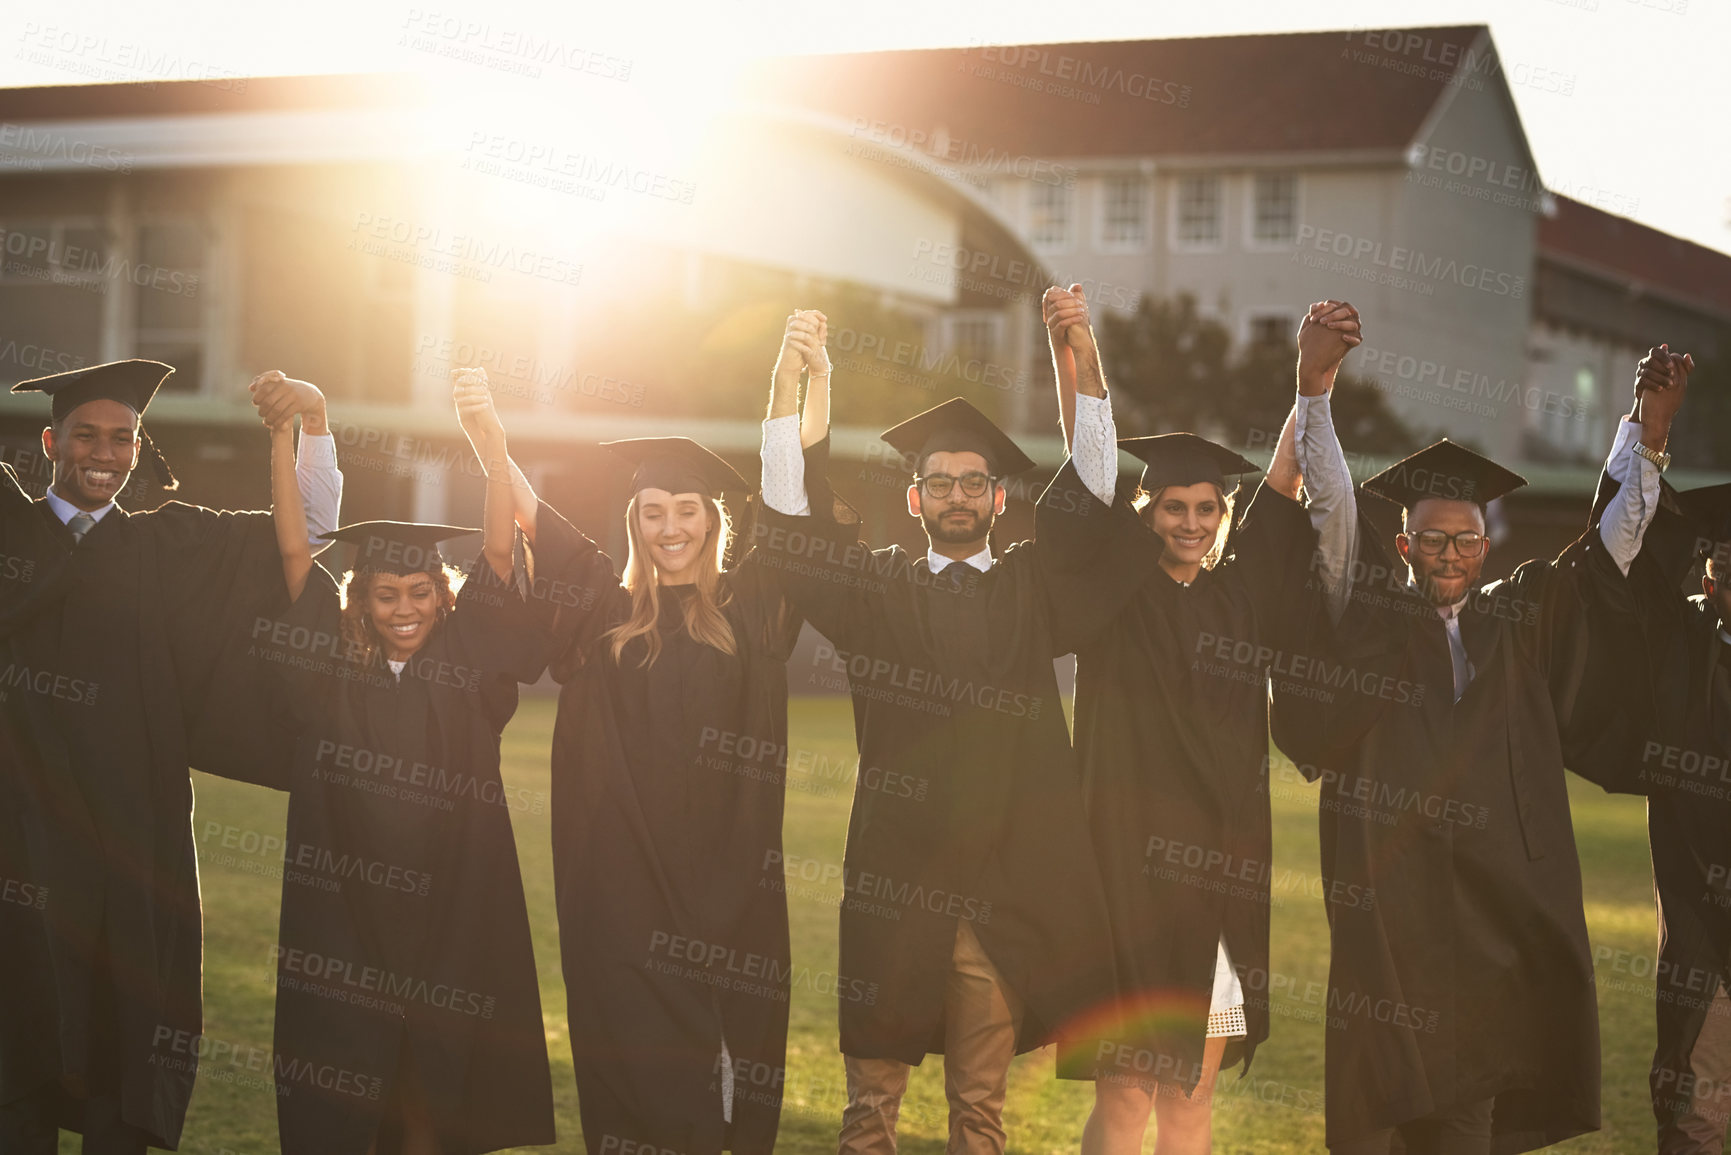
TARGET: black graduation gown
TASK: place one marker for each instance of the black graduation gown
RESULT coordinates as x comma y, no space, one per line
667,803
112,649
403,917
968,804
1686,773
1172,739
1684,769
1460,965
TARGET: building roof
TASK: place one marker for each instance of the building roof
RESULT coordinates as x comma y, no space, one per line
1372,91
193,97
1333,92
1631,253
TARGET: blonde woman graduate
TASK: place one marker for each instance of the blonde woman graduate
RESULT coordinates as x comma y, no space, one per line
669,761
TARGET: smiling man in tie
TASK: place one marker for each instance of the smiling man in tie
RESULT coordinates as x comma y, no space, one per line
122,642
1463,1015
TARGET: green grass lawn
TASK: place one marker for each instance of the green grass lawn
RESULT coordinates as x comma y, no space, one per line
1277,1108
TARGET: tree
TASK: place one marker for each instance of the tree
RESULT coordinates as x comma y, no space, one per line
1701,441
1174,370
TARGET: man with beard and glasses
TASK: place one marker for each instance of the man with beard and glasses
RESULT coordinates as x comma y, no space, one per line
1462,1011
971,903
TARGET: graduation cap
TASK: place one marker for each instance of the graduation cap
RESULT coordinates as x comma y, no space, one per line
678,465
1447,472
1709,507
131,382
399,547
957,427
1184,459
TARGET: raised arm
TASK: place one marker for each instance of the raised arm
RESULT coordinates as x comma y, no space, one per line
278,399
1089,432
1661,381
1329,331
1092,550
802,345
804,542
814,417
478,417
1056,309
1284,475
480,421
290,514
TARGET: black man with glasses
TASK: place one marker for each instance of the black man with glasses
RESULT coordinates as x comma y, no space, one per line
971,906
1462,1014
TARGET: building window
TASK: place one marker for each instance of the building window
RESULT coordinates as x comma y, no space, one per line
973,334
1585,423
52,282
1274,208
1199,210
1049,216
1266,330
1124,211
169,301
70,251
1565,429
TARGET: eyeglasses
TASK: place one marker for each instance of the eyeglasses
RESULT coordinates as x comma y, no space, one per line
940,484
1432,541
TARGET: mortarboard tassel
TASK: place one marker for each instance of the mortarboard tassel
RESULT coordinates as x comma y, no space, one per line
158,463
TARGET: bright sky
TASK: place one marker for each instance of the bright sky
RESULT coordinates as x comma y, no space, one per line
1629,99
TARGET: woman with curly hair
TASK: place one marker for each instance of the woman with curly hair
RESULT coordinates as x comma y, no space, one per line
408,1015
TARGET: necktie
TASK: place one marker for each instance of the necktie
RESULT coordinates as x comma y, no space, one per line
80,525
1463,668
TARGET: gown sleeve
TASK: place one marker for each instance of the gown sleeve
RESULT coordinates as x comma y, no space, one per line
574,589
1273,551
28,568
1317,728
14,502
817,562
1671,547
1091,558
1645,641
303,649
499,626
1580,619
769,613
220,579
762,600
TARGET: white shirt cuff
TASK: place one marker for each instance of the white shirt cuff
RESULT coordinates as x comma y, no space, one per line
1624,523
1328,484
316,451
1095,446
783,484
1622,448
1327,479
321,486
1311,409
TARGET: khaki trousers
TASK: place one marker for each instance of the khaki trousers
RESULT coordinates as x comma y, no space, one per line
1700,1127
981,1017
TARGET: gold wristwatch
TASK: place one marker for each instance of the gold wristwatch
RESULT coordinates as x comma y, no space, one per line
1661,460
